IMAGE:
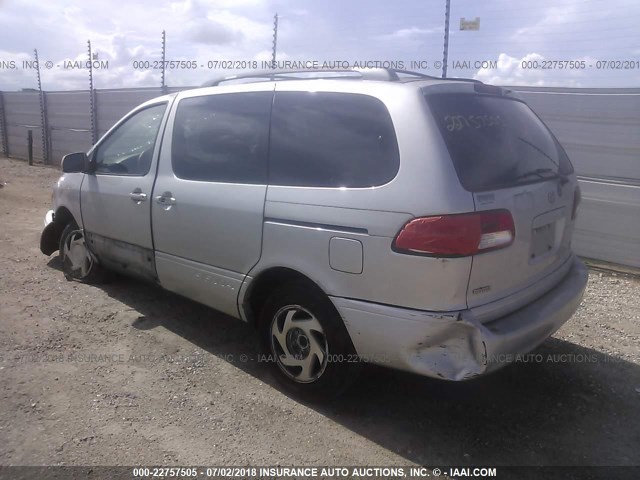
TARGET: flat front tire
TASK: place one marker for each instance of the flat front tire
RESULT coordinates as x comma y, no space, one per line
78,263
307,343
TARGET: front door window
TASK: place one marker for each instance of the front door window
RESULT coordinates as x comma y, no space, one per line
128,150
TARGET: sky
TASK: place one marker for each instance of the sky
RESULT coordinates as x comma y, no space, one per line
518,43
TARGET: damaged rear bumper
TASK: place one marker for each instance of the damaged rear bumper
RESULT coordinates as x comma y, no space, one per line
455,345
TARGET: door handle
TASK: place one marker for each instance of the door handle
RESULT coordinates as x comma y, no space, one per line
137,196
166,199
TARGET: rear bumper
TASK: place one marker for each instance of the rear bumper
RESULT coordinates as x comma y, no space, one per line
455,345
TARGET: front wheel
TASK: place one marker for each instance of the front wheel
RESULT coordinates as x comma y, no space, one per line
78,263
307,343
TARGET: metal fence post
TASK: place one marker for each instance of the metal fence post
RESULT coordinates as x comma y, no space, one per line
48,140
30,146
94,117
43,115
92,99
163,85
445,54
274,46
3,127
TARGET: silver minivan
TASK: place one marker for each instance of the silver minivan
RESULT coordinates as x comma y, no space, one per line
377,216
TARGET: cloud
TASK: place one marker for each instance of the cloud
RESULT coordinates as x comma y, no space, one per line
204,30
554,17
200,30
13,71
213,33
411,33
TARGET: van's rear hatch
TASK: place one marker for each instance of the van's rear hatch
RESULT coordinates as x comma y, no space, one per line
509,160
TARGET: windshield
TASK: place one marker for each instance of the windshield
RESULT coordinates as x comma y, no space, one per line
496,142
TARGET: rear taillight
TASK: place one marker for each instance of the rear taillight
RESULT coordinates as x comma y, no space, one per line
577,197
456,235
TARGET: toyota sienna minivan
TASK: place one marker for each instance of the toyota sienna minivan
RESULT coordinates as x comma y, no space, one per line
378,216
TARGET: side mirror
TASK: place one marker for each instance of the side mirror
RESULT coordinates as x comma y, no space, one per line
75,162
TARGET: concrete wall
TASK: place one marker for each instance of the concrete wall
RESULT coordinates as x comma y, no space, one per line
112,105
600,130
68,119
22,113
69,123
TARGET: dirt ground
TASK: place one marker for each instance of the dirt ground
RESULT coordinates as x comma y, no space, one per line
126,374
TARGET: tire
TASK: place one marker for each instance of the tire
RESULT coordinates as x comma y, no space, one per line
298,326
78,263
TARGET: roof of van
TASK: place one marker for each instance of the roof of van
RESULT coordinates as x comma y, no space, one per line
394,76
376,74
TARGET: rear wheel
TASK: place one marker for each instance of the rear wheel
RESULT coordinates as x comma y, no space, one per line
78,263
307,343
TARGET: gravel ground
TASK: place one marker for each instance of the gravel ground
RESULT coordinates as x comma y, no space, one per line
127,374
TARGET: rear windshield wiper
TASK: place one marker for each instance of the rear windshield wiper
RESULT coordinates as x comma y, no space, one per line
540,172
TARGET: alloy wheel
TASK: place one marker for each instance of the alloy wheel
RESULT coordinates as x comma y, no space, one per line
299,344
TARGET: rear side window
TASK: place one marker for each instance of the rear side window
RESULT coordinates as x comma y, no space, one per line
222,138
496,142
331,140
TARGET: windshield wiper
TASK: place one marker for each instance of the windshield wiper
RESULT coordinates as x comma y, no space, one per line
540,172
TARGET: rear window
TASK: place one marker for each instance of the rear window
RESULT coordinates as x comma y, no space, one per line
331,140
496,142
